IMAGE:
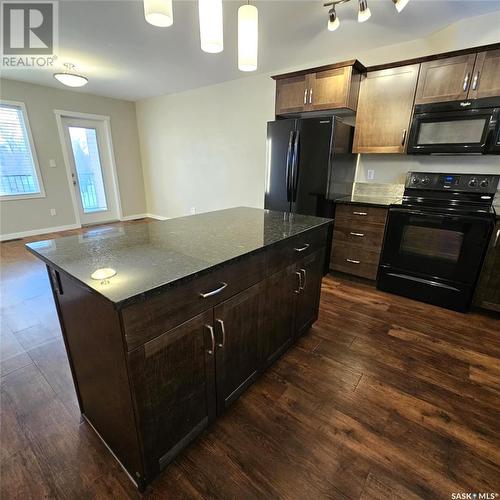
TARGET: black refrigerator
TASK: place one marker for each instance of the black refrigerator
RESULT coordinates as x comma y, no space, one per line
310,164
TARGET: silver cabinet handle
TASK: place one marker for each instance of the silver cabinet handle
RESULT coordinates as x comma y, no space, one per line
211,330
305,96
301,249
474,82
497,238
300,282
223,330
360,213
304,273
213,292
403,139
360,235
466,81
353,261
310,96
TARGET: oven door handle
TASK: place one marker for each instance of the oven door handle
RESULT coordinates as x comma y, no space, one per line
432,214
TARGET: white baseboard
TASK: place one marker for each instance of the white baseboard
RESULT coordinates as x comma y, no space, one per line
143,216
36,232
157,217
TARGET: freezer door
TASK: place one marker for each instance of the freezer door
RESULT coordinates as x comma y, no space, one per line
280,139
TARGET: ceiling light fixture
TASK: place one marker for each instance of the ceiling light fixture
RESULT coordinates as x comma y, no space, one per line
159,12
363,11
333,20
248,37
70,78
400,4
211,26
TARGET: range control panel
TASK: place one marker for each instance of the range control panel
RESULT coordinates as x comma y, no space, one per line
468,183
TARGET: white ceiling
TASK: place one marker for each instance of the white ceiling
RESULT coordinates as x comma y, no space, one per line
124,57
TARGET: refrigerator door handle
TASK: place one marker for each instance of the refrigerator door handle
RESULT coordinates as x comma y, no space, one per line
289,158
295,165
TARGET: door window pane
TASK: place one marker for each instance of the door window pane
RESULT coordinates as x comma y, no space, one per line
88,169
432,242
452,132
18,174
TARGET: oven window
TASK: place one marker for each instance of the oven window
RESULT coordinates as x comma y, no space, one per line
430,242
452,132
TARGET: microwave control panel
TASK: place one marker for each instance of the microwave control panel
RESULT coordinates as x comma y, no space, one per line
469,183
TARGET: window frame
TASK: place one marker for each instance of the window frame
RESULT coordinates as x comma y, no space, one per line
36,165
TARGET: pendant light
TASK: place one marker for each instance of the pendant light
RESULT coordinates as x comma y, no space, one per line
400,4
248,37
363,12
211,26
333,20
70,78
159,12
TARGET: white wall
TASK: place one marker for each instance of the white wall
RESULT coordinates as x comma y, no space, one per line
206,148
33,214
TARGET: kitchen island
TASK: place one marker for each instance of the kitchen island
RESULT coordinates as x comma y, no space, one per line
192,311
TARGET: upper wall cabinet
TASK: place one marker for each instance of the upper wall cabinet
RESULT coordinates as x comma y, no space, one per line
486,79
384,110
322,89
445,79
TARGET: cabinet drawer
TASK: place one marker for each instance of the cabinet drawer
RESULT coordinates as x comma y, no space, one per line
357,233
363,213
289,251
147,320
355,260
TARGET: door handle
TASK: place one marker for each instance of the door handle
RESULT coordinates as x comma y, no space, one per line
352,261
300,282
289,156
295,164
310,95
497,238
223,331
474,82
303,271
360,213
403,139
213,292
360,235
466,81
305,96
212,337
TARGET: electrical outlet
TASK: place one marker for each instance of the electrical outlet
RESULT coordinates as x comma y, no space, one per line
193,210
52,164
53,212
370,175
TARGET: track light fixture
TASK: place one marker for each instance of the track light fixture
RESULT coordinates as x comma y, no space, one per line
363,11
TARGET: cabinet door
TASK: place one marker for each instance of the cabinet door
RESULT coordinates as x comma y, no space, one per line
385,107
174,386
277,334
311,270
292,94
488,294
445,79
486,79
238,323
330,89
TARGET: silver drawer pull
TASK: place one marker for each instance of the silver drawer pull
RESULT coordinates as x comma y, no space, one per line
359,213
223,330
213,292
304,274
305,247
357,234
212,338
353,261
497,237
300,282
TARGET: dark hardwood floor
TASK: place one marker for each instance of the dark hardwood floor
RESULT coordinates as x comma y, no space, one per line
383,398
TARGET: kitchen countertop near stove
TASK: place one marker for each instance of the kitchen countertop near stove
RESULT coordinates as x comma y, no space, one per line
372,201
152,256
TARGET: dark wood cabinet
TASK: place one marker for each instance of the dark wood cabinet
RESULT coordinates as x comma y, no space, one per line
172,378
310,273
445,79
238,326
486,79
488,291
319,89
385,107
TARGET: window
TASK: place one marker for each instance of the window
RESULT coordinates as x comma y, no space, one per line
19,173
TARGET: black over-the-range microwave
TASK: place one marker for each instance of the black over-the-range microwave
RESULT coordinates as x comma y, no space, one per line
456,127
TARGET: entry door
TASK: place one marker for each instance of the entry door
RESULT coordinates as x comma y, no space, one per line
89,152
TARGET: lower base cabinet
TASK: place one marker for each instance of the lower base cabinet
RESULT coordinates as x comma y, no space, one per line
488,290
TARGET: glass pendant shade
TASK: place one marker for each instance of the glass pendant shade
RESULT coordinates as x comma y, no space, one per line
248,37
211,26
159,12
400,4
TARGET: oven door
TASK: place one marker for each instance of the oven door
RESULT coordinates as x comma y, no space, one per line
452,132
442,247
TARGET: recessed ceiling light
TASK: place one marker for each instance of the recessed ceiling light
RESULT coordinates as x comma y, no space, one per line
70,78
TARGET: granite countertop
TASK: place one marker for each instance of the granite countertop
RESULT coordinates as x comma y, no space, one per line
154,255
373,200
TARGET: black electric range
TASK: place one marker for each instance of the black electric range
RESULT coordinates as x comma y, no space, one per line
437,237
